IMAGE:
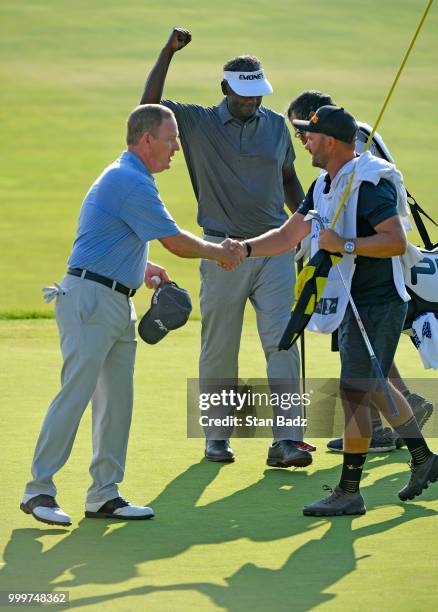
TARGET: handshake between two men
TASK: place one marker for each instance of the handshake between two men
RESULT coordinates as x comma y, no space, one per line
233,253
276,242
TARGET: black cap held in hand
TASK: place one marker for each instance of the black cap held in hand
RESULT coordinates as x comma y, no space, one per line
332,121
170,308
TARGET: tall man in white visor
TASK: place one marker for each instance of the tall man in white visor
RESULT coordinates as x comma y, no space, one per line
240,160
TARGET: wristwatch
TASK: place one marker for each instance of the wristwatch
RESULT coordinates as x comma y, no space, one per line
349,247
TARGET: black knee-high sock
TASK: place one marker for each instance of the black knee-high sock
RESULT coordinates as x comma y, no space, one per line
414,440
352,471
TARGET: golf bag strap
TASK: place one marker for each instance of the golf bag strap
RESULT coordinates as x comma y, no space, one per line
417,211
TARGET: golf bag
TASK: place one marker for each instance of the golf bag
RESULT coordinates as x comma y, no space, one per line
422,279
422,285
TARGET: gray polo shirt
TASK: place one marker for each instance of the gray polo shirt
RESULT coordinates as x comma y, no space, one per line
235,166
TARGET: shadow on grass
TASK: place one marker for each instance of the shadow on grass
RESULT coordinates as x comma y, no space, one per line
266,511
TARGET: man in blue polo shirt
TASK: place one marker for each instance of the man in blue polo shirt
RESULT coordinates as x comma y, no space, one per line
121,213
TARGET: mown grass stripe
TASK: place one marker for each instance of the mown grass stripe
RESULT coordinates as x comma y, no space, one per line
14,315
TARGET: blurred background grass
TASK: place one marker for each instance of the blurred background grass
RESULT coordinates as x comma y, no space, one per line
71,72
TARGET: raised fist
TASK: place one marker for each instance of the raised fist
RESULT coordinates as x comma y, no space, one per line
178,39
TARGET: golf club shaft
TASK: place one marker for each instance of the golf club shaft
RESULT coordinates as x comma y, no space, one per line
374,361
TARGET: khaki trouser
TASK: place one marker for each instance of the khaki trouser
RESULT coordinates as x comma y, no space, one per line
97,334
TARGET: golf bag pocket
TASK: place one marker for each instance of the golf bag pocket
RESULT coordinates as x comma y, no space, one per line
421,283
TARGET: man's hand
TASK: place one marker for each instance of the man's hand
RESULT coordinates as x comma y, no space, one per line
178,39
233,246
153,90
331,241
155,270
233,253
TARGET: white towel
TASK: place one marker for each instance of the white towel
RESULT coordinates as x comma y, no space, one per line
425,330
410,259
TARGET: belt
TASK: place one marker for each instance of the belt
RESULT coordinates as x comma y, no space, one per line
103,280
210,232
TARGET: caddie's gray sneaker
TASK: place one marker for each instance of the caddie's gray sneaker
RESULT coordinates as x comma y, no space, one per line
422,409
336,504
421,475
382,441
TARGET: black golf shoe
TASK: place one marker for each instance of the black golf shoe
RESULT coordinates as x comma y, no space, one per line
338,503
219,450
287,453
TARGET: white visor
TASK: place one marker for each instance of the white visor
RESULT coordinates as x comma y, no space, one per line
248,83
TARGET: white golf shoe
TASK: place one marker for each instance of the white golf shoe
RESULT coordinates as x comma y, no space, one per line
45,509
118,508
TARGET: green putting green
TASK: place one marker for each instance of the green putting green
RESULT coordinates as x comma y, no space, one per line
226,537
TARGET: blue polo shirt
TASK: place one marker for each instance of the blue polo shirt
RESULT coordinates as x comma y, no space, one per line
120,214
